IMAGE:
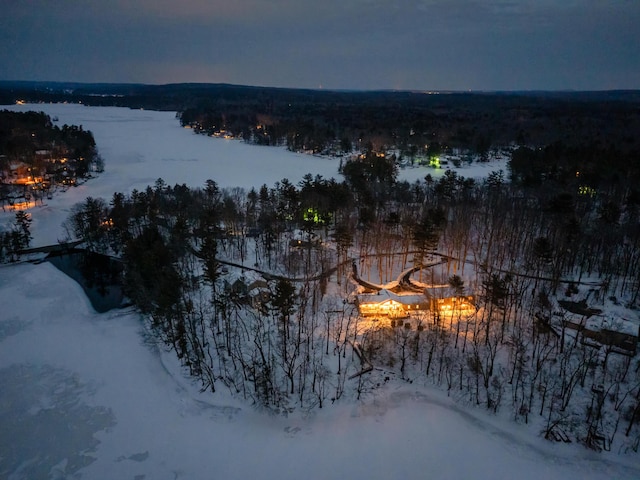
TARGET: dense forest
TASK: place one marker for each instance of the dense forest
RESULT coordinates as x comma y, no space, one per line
413,122
33,138
286,333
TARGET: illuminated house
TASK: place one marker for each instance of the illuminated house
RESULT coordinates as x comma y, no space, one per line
389,304
446,299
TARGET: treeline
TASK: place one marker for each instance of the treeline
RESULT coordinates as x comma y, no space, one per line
37,156
22,134
16,239
594,168
414,123
342,121
287,338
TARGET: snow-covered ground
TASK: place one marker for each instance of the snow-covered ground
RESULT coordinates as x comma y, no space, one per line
83,395
87,395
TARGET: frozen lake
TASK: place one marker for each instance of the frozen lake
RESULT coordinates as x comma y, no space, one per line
140,146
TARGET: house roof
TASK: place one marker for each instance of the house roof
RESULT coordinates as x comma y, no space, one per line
385,295
440,291
579,308
617,325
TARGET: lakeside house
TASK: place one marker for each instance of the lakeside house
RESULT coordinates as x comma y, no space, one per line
444,298
389,304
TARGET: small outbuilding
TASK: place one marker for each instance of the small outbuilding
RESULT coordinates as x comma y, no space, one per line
620,334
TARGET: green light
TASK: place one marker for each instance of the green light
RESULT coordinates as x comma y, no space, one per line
586,190
312,215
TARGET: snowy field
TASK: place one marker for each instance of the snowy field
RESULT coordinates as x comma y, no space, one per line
87,395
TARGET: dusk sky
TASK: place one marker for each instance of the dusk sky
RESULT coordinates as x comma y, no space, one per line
337,44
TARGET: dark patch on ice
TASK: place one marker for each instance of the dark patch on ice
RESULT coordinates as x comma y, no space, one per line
139,457
47,429
11,326
100,276
291,431
180,160
136,457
